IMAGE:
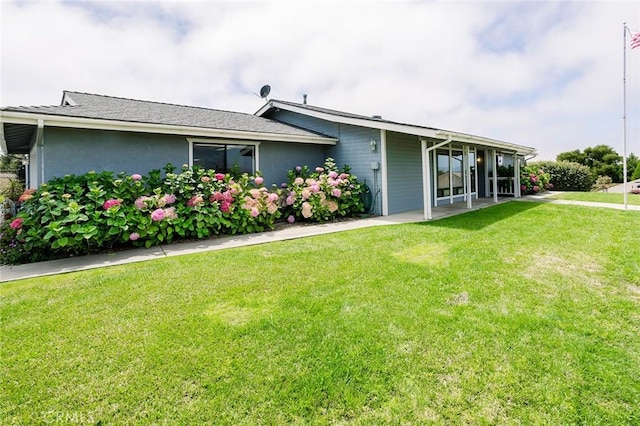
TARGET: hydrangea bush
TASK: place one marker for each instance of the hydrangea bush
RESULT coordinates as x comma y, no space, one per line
534,180
321,195
76,215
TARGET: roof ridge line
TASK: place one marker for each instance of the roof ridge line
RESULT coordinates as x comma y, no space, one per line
149,102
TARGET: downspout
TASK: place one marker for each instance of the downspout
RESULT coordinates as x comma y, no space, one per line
426,174
40,142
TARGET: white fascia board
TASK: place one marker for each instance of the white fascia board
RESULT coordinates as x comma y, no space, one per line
492,143
90,123
3,143
362,122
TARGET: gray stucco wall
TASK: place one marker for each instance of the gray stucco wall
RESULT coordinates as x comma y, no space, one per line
404,165
77,151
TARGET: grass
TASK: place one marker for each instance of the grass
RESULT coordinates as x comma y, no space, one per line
523,313
598,197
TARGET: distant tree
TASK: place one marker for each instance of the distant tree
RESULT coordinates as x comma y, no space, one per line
10,162
603,160
636,173
574,156
632,165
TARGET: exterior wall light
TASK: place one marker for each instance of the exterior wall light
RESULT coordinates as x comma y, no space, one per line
372,144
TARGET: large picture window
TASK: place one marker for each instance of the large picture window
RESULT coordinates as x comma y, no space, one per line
225,157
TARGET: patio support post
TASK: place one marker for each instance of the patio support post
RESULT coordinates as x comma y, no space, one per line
426,173
495,175
467,176
426,180
516,178
40,142
383,165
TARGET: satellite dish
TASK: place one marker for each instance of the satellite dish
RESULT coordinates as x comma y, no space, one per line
264,91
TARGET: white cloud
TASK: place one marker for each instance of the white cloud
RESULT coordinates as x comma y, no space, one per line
543,74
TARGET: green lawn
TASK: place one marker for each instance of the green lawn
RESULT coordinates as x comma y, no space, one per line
523,313
598,197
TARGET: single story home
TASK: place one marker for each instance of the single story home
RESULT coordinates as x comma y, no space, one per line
407,167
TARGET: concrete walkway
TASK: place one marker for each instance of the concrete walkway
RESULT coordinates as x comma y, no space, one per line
52,267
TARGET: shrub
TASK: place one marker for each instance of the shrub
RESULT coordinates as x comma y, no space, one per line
534,180
603,183
76,215
567,176
323,194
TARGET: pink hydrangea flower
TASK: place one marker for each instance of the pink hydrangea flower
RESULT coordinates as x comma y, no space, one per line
16,223
140,202
134,236
110,203
298,168
307,210
169,198
291,218
273,197
157,215
315,188
205,179
536,188
333,175
523,188
170,213
272,208
290,200
195,200
255,212
336,192
319,169
136,176
225,206
283,185
298,181
219,176
259,180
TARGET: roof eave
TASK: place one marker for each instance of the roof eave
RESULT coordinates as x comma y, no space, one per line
362,122
401,128
100,124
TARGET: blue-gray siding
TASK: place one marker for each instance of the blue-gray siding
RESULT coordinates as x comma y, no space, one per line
77,151
404,176
353,148
277,158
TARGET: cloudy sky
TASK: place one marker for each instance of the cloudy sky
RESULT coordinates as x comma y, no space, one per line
536,73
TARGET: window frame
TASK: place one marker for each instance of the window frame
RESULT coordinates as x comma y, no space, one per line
225,142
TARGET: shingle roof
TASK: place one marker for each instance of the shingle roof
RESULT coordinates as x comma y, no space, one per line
337,113
91,106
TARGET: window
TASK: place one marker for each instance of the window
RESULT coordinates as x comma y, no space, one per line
457,176
443,174
223,158
472,166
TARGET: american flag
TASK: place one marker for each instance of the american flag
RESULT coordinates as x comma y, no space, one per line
635,40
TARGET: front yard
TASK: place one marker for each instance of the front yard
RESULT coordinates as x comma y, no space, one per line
519,313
